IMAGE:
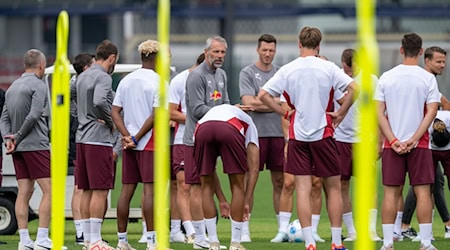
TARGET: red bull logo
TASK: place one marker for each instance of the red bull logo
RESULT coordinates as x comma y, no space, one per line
216,95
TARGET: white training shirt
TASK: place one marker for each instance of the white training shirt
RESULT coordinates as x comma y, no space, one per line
177,95
348,129
310,83
443,115
138,95
236,117
406,90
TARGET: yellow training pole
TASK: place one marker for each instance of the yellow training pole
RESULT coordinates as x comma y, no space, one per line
162,168
366,152
60,130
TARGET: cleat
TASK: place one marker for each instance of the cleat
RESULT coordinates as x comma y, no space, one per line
447,232
190,239
374,236
398,237
124,246
100,245
27,246
214,246
390,247
246,238
280,237
311,247
178,237
201,244
317,237
409,233
143,239
430,247
340,247
236,246
351,237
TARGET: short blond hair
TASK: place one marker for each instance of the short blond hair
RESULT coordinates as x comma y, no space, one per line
148,47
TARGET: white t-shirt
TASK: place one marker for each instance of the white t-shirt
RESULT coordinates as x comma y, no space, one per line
138,95
177,95
348,129
236,117
443,115
406,90
310,83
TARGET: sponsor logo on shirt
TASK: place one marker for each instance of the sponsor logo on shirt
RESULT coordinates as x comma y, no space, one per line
221,84
216,95
258,76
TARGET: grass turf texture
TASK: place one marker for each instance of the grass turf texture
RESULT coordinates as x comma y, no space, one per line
263,224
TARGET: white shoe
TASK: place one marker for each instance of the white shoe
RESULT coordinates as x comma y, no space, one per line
317,238
26,246
201,244
214,246
390,247
447,232
190,239
143,239
245,238
430,247
45,245
124,246
374,236
399,237
350,237
100,244
236,246
178,237
280,237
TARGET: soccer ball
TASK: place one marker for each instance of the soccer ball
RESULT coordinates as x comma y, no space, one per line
295,233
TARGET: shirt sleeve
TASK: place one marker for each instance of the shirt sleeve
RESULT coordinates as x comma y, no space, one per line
195,93
276,85
246,86
101,103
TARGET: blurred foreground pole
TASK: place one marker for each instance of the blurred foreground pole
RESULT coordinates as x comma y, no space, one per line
60,130
161,166
365,152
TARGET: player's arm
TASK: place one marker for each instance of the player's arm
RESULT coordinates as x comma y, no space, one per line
268,100
424,125
118,120
253,172
224,206
352,93
386,129
175,114
257,104
100,100
445,103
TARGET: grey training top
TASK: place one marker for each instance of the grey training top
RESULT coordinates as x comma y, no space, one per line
251,80
205,88
23,113
94,102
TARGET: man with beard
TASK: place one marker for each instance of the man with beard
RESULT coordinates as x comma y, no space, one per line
206,87
268,123
95,139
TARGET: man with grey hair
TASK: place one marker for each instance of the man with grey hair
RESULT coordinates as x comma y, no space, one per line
137,96
206,87
24,129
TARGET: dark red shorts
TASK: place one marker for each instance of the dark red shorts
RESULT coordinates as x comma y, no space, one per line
32,164
319,158
346,159
191,175
443,157
271,153
95,167
214,139
177,158
418,163
137,166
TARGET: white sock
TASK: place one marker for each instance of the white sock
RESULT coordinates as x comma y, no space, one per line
78,228
212,229
348,221
285,217
25,236
336,233
199,227
96,229
151,238
144,227
188,227
236,228
175,226
307,234
315,219
42,236
425,233
86,226
122,237
373,213
388,234
278,219
398,223
246,226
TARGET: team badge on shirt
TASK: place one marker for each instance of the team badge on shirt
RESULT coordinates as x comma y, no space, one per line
216,95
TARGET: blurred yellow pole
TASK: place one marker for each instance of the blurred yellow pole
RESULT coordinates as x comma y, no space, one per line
162,168
60,130
366,151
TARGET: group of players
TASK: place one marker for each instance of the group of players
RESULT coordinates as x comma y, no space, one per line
298,120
